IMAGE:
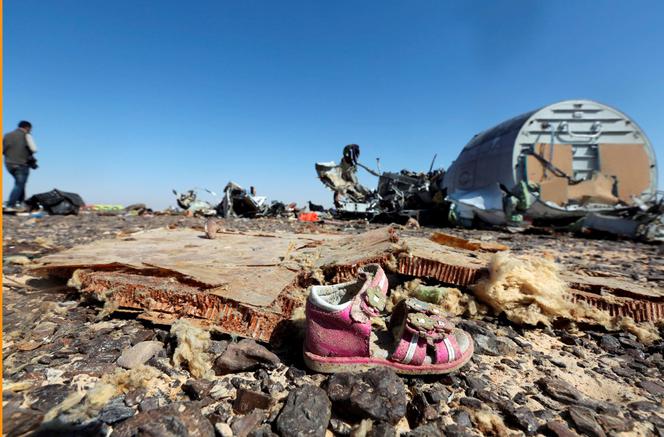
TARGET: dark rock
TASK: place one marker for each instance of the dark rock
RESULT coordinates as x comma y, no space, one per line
217,347
474,328
521,416
148,404
569,339
382,429
437,393
88,429
307,412
475,384
377,394
457,431
420,411
613,423
114,412
489,396
510,363
610,344
174,420
197,389
18,421
624,372
242,426
470,402
558,363
560,429
295,374
134,397
545,415
548,402
520,398
249,400
651,387
221,414
559,390
462,419
584,420
486,345
48,396
643,406
244,356
433,429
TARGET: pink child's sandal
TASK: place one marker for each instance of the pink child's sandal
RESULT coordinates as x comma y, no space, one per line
340,336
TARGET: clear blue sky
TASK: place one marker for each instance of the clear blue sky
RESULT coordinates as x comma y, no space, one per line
132,98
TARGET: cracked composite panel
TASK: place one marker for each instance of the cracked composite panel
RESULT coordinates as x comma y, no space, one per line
249,284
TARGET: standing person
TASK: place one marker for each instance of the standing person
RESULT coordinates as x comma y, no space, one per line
18,148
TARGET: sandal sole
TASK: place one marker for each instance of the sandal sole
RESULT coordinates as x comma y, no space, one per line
342,364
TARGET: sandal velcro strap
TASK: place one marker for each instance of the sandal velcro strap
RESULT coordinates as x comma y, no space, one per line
375,298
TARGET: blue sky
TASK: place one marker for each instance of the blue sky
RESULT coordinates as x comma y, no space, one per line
132,98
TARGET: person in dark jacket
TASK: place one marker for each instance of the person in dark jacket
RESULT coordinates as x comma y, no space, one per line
18,148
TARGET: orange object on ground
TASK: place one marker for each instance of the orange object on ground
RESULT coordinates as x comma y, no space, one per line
308,217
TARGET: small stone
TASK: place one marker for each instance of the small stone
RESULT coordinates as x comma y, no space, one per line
307,411
377,394
437,394
223,429
610,344
420,411
249,400
247,355
559,390
475,384
139,354
462,419
134,397
522,417
197,389
242,426
569,339
428,430
560,429
148,404
584,421
651,387
115,412
172,420
470,402
295,374
613,423
486,345
643,406
217,347
48,396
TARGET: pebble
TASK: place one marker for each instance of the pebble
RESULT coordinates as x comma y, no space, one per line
246,355
307,411
377,394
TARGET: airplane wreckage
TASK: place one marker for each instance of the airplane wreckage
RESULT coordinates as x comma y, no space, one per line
576,163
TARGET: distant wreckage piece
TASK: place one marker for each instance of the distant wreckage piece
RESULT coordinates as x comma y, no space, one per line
249,284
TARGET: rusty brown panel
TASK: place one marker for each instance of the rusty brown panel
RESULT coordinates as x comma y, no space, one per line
630,164
639,310
562,159
447,273
164,299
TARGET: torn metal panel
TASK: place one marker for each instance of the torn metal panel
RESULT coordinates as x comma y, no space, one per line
249,283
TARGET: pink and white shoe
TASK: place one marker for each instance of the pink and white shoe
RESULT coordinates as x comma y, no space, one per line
340,336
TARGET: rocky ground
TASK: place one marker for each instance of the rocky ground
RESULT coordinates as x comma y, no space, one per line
60,352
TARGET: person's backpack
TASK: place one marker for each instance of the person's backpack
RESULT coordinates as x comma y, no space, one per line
57,202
